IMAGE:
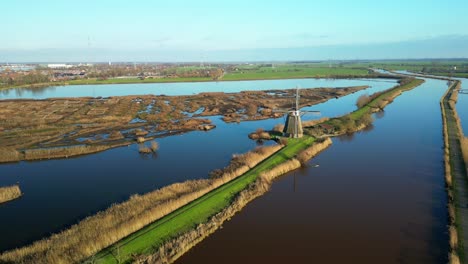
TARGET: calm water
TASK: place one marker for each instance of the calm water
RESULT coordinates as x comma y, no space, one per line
176,88
59,193
377,197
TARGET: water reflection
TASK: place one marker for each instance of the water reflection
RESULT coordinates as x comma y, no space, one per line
377,197
60,192
107,90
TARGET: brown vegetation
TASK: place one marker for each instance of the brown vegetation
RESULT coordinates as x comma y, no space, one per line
241,163
154,146
260,134
313,150
310,123
61,152
363,100
9,193
278,128
63,122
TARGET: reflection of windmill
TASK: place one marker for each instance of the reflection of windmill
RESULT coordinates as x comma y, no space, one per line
293,124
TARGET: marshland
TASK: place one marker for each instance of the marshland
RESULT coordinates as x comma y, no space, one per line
71,178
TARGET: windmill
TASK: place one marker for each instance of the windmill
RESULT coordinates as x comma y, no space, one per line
293,124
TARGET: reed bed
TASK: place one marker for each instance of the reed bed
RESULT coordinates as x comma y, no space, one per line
9,155
464,146
281,169
241,163
313,150
62,152
99,231
310,123
9,193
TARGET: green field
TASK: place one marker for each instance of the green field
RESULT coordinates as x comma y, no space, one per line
292,71
146,240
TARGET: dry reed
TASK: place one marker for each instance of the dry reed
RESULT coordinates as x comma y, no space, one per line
453,237
9,193
278,128
453,258
61,152
313,150
9,155
154,146
310,123
464,146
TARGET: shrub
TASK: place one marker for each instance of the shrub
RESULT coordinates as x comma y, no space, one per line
9,193
154,146
464,145
313,150
144,149
363,100
278,128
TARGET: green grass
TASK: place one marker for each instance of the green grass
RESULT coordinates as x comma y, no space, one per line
199,211
135,80
285,72
367,108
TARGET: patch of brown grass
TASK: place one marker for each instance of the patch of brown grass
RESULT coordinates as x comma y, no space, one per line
363,100
281,169
9,193
62,152
154,146
9,155
278,128
313,150
453,238
453,258
310,123
464,146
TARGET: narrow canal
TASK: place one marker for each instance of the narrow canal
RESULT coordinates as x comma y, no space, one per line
377,197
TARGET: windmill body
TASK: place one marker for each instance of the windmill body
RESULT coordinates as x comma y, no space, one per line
293,125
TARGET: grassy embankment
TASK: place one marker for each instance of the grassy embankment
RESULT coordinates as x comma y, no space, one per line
361,118
9,193
455,174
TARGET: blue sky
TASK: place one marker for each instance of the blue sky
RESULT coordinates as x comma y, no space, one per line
215,30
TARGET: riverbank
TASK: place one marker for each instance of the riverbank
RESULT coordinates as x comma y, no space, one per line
9,193
455,175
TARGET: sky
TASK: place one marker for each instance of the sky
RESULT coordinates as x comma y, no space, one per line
155,30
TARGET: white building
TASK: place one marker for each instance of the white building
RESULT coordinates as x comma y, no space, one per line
59,66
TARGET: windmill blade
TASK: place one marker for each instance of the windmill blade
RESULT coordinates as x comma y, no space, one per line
310,111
